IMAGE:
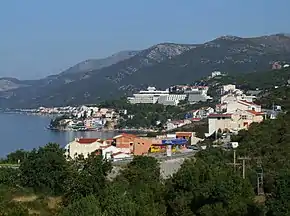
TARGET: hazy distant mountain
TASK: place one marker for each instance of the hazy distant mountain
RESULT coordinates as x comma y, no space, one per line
160,65
96,64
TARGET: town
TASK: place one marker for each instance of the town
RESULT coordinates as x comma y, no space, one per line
234,111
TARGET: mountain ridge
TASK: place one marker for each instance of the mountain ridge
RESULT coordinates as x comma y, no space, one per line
160,65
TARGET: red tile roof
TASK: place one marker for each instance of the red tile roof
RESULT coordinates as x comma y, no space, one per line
104,147
255,113
195,119
246,102
128,135
87,140
183,133
118,153
216,115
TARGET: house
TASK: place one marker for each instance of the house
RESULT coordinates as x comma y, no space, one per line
201,113
242,119
228,98
221,108
108,151
216,73
218,122
235,121
142,145
83,146
170,125
232,97
242,105
229,87
132,144
124,142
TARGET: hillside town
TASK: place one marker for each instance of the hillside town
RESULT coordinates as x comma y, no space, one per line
235,111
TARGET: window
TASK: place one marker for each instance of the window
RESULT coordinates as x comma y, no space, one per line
244,117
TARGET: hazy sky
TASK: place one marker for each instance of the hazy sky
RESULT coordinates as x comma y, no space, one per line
39,37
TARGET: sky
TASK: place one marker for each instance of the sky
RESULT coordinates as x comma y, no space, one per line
40,38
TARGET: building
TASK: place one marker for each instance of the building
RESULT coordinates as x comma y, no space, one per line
83,146
231,97
218,122
216,73
242,119
129,143
190,136
124,142
242,105
150,96
171,99
276,66
235,121
108,151
227,88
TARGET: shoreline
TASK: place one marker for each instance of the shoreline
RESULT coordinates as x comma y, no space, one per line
104,130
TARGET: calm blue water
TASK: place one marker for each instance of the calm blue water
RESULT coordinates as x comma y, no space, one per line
19,131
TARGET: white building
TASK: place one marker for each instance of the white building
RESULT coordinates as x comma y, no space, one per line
171,99
120,156
216,73
83,146
150,96
229,87
108,151
238,120
153,96
242,105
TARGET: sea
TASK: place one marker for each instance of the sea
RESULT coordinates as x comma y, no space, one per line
22,131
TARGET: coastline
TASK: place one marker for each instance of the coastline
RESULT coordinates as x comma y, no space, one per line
105,130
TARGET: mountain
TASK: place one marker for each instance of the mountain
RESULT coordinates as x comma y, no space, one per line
96,64
160,65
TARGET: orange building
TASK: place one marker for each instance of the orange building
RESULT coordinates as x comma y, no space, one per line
130,143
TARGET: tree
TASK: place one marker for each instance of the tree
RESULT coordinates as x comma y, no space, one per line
142,183
200,188
279,204
9,176
45,169
17,156
85,206
88,177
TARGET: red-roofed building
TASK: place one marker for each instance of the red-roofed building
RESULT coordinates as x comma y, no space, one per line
83,146
243,105
129,143
235,121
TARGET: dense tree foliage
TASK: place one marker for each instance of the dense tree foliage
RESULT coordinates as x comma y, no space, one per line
45,169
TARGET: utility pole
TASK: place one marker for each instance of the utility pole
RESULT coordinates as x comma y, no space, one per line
244,165
260,177
235,164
